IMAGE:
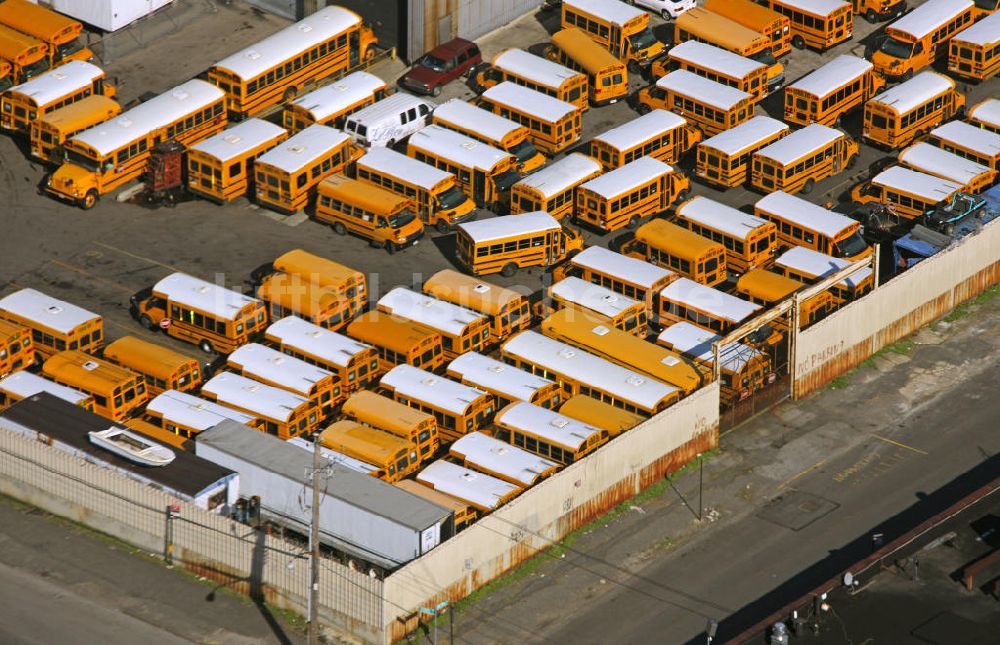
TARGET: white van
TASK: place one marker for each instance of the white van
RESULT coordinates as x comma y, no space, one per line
390,120
668,9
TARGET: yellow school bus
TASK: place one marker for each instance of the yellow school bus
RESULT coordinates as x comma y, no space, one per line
630,277
286,175
220,168
206,314
17,350
162,368
600,414
461,329
826,94
416,427
909,193
710,106
268,365
290,294
658,134
552,188
607,77
184,415
622,30
329,42
507,310
118,392
284,414
986,115
688,254
55,325
767,288
819,24
50,132
969,142
750,241
802,223
393,456
464,514
971,176
554,125
26,56
506,383
536,73
59,32
767,22
351,283
716,64
385,219
107,156
330,104
492,129
547,433
23,384
806,265
974,52
398,341
920,37
899,115
796,162
610,308
724,160
23,105
355,364
6,78
626,195
507,243
684,300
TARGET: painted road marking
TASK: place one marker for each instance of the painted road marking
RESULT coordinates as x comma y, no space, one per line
802,473
81,271
901,445
138,257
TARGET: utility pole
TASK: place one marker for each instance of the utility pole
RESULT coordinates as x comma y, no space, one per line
701,483
314,547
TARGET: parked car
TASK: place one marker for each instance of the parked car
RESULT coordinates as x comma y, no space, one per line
668,9
441,65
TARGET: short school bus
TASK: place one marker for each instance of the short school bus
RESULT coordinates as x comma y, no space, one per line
457,408
17,350
600,414
986,115
393,456
909,193
536,73
920,37
624,196
828,93
512,464
630,277
492,129
818,24
26,56
275,368
802,223
749,240
355,364
483,492
710,106
55,325
416,427
329,104
290,294
398,340
687,301
461,329
902,113
387,220
162,368
507,310
796,162
547,433
24,104
767,288
506,383
552,189
806,265
622,30
658,134
465,515
767,22
220,168
118,392
351,283
974,52
675,248
971,176
554,124
507,243
50,132
284,414
716,64
599,303
23,384
199,312
724,160
969,142
185,415
607,77
109,155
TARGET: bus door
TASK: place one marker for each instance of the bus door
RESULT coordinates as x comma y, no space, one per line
355,48
838,155
478,187
550,248
616,37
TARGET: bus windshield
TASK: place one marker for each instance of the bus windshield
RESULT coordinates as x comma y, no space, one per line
70,48
401,219
6,83
764,57
507,179
36,68
643,39
451,198
82,160
896,48
851,246
523,151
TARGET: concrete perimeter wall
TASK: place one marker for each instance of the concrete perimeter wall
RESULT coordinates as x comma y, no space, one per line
552,509
919,296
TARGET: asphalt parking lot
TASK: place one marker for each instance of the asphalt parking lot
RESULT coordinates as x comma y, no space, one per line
98,258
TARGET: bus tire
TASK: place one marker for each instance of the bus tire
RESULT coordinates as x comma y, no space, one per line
852,161
798,42
808,186
146,322
633,67
289,94
369,53
390,247
508,270
206,346
681,196
870,16
441,226
89,200
642,109
907,75
339,228
633,223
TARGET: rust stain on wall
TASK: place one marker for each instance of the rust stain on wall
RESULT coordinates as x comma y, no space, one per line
678,458
978,283
230,579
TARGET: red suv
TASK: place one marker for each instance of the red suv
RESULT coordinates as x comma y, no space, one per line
441,65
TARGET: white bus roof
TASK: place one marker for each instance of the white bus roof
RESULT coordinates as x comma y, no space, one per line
200,294
746,134
304,148
55,314
472,117
820,265
709,300
560,175
533,68
929,16
832,76
602,260
912,93
799,143
155,113
805,213
472,487
504,226
584,367
59,82
984,32
719,216
24,384
486,453
941,163
428,311
969,136
530,101
695,342
289,42
714,58
194,412
921,184
339,95
988,111
457,147
239,139
818,7
322,343
640,129
335,457
492,375
262,362
551,426
267,401
591,296
438,391
611,10
702,90
620,180
388,161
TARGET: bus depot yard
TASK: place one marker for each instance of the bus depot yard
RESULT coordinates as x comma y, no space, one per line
651,248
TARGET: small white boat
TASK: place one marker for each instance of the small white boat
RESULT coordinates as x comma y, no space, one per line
132,446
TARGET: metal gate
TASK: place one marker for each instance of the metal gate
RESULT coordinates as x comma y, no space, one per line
477,17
